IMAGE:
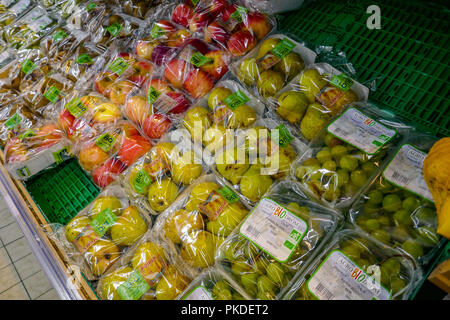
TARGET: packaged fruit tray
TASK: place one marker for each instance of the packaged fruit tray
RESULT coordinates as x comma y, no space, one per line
408,58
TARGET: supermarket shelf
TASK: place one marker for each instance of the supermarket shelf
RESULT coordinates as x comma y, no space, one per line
69,285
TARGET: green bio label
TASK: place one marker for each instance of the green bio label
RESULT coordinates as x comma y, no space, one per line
118,66
283,48
84,59
114,28
24,172
60,155
228,195
27,134
236,100
76,107
103,221
194,2
199,59
59,35
152,95
157,31
284,137
28,66
134,287
342,81
239,14
12,122
52,94
90,6
105,141
141,181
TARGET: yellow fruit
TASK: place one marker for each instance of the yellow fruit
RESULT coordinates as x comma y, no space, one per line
187,168
216,137
241,117
165,151
149,258
197,116
249,71
171,284
198,248
76,226
161,194
266,46
253,184
128,228
181,222
232,164
102,203
199,194
311,82
101,255
315,119
228,220
217,96
114,280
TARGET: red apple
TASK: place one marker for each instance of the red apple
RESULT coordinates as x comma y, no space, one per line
132,149
129,130
182,14
199,21
159,85
217,6
92,156
141,71
156,125
175,72
137,109
65,120
167,26
218,67
119,91
258,24
103,82
198,83
145,48
182,103
228,11
178,38
105,174
161,54
241,42
198,44
215,31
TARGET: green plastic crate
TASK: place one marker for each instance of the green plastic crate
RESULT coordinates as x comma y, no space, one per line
409,56
62,192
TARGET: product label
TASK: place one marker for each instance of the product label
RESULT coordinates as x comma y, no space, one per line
216,203
114,28
223,115
27,134
24,172
84,59
105,141
405,171
274,229
13,122
20,7
283,135
339,278
61,155
76,107
141,181
152,269
52,94
157,167
86,239
360,131
118,66
134,287
228,195
157,31
28,66
236,100
103,221
59,35
5,58
162,102
90,6
198,59
199,293
152,94
342,81
283,48
240,14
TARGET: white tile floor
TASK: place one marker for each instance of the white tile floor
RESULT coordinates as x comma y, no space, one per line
21,276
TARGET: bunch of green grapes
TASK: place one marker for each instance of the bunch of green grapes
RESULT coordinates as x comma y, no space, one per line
398,218
338,170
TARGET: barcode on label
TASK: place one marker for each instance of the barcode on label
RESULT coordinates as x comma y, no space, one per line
328,295
341,132
401,178
253,231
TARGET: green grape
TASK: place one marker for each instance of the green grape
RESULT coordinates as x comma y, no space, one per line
400,234
374,197
358,178
221,291
330,165
371,209
392,203
237,296
427,236
372,224
348,163
426,215
331,194
369,168
351,251
342,177
239,267
384,221
338,151
324,155
265,285
350,190
381,235
397,285
385,187
403,217
275,272
391,266
410,203
413,248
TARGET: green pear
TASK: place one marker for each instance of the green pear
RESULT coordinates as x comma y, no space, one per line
76,226
249,71
216,137
181,222
171,284
266,46
161,194
102,203
241,117
292,105
311,82
199,247
185,169
200,115
114,280
228,220
315,119
270,82
217,96
128,228
291,65
230,166
200,194
254,185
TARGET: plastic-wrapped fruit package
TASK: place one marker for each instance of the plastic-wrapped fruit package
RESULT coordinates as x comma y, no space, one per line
157,179
123,73
227,106
30,28
157,107
98,235
348,155
273,7
88,16
200,220
139,8
108,155
282,233
397,207
212,284
162,39
149,271
272,64
62,7
197,14
355,267
15,117
8,60
116,28
197,67
35,149
263,154
311,100
12,10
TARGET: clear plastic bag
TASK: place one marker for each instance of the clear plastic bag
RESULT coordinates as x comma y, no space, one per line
35,149
309,102
139,8
397,207
88,16
274,6
262,154
149,271
109,154
158,179
348,154
282,233
272,64
98,235
355,267
212,284
62,7
14,10
200,220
